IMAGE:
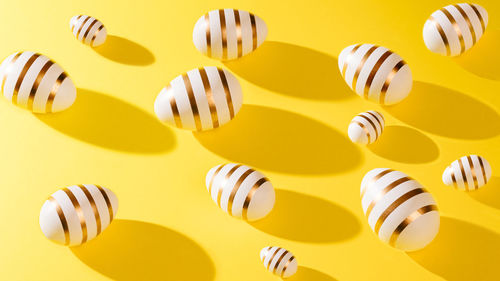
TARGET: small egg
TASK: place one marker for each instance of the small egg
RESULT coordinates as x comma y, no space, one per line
467,173
228,34
240,191
366,127
88,30
279,261
77,214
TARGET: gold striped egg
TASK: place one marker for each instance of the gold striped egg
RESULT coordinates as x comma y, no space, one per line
228,34
240,191
366,127
88,30
399,210
35,82
201,99
279,261
77,214
467,173
455,28
375,73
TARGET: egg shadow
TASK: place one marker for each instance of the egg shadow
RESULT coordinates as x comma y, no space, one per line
488,194
308,274
293,71
135,250
125,51
305,218
448,113
282,141
110,123
461,251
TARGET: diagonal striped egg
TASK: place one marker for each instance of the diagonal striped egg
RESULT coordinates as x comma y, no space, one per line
240,191
467,173
375,73
366,127
279,261
399,210
228,34
88,30
201,99
35,82
455,28
76,214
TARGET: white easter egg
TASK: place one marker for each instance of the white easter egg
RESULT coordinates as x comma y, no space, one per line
455,28
240,191
366,127
201,99
228,34
467,173
76,214
279,261
375,73
399,210
88,30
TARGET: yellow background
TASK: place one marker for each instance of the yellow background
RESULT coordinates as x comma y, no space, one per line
293,127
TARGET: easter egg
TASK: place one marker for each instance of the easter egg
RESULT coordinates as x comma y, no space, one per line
455,28
88,30
77,214
399,210
279,261
201,99
34,82
240,191
375,73
228,34
467,173
366,127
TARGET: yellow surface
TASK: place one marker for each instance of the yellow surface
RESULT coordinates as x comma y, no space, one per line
292,127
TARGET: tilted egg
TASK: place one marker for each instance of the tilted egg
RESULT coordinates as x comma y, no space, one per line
399,210
89,30
279,261
375,73
366,127
76,214
467,173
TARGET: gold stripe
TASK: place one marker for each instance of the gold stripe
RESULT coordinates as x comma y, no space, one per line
239,38
250,194
62,218
383,192
95,34
223,183
213,177
210,97
229,100
222,18
173,106
272,257
378,120
458,31
453,178
464,177
207,35
442,34
371,124
81,26
473,171
79,212
364,129
108,202
276,265
374,71
478,14
8,69
373,180
37,82
411,218
388,80
286,265
235,189
88,29
360,67
94,207
192,101
53,92
254,31
466,18
348,58
73,24
21,76
482,169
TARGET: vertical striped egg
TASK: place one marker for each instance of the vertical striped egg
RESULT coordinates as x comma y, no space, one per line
88,30
201,99
76,214
467,173
455,28
375,73
228,34
240,191
366,127
399,210
35,82
279,261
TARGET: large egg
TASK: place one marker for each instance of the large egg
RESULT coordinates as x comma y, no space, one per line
399,210
375,73
88,30
228,34
76,214
33,81
455,28
240,191
366,127
279,261
201,99
467,173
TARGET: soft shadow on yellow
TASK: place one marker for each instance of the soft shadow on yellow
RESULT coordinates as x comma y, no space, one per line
124,51
282,141
135,250
461,251
447,113
483,58
488,194
300,217
308,274
293,70
110,123
406,145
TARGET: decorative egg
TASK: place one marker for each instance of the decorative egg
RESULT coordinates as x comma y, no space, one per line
399,210
33,81
455,28
76,214
467,173
279,261
228,34
375,73
89,30
240,191
200,99
366,127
